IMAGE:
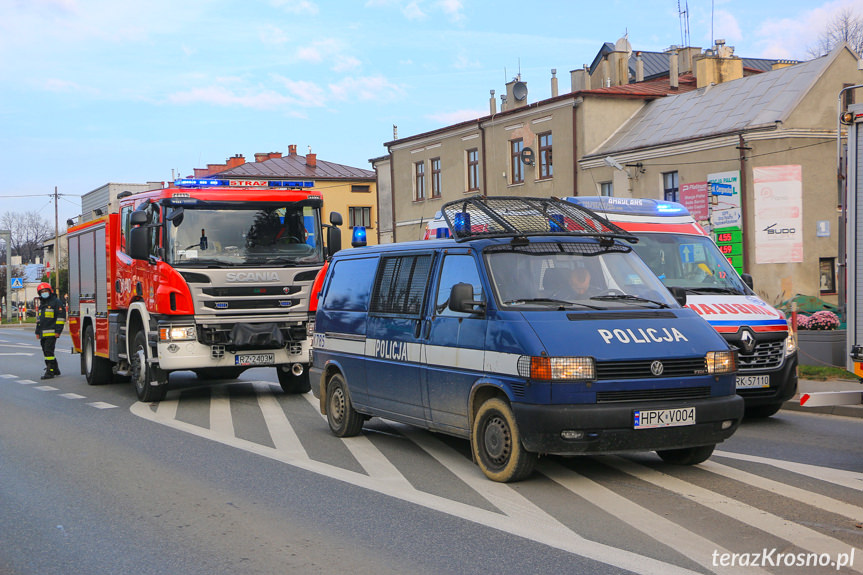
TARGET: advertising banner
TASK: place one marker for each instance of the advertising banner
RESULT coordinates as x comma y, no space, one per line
695,197
725,200
778,214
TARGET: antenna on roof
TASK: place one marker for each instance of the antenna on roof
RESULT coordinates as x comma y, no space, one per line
683,12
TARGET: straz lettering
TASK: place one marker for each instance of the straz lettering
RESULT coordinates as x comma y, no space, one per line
642,335
397,350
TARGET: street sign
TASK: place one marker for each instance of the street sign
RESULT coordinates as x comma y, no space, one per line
17,283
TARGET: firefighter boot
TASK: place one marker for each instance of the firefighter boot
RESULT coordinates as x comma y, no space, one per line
49,372
55,368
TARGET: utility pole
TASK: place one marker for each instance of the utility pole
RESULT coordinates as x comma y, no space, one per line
56,245
7,234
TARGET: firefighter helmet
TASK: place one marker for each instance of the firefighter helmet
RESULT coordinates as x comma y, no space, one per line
44,286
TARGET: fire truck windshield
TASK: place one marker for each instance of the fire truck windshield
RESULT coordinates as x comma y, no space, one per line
276,235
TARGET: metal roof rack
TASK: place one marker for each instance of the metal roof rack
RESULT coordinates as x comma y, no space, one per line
520,217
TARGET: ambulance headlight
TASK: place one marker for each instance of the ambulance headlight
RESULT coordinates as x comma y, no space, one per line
177,333
790,344
719,362
557,368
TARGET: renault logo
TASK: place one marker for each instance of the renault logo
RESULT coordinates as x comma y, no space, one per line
747,341
656,368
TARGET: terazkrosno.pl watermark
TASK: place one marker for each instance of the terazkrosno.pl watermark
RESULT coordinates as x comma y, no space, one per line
773,558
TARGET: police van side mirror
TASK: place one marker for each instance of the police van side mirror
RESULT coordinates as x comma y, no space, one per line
679,295
461,299
747,279
139,244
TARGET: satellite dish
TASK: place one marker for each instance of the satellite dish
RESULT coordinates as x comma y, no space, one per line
519,91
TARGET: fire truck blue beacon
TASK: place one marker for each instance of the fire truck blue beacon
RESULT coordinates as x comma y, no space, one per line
535,329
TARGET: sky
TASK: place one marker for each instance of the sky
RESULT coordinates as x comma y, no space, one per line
98,91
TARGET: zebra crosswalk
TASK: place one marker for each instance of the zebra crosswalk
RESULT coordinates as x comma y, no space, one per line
631,512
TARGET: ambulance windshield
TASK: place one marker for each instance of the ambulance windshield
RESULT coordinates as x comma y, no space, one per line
274,234
690,262
554,275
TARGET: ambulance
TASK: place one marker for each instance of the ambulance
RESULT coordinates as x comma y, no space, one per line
535,329
684,256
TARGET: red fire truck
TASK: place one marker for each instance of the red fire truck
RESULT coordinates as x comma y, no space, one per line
211,276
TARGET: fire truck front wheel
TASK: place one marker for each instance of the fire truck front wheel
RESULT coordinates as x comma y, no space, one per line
96,369
144,375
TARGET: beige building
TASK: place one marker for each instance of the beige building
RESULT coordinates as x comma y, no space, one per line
710,114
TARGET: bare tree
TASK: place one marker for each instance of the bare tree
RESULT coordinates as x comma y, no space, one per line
846,26
29,230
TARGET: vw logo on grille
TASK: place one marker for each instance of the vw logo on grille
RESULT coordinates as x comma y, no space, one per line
656,368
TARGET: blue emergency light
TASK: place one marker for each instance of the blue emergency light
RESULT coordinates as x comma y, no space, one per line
358,238
242,183
461,223
555,223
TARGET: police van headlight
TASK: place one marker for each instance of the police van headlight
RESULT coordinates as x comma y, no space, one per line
719,362
177,333
557,368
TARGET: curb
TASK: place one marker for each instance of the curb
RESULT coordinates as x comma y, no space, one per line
793,404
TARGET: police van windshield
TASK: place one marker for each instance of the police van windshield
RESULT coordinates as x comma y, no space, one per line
553,275
690,262
276,235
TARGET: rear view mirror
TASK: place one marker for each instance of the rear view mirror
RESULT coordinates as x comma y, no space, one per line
461,299
747,279
679,295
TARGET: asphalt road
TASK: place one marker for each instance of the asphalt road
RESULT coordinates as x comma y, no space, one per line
239,478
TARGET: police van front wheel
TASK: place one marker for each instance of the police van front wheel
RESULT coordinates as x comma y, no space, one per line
687,456
496,443
343,419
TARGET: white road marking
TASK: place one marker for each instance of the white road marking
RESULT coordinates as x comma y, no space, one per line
101,405
8,376
46,388
221,420
26,381
16,353
281,431
850,479
72,396
798,535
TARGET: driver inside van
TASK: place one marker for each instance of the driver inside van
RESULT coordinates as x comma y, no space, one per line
565,283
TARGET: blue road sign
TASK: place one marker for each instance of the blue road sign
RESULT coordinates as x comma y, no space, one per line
17,283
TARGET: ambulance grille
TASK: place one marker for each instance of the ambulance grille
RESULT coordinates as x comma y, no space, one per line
767,355
640,369
652,394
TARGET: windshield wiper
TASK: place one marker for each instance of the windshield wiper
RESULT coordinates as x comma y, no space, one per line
629,298
548,301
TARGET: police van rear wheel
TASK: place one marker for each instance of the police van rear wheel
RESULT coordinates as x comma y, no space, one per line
343,420
96,369
687,456
496,443
143,374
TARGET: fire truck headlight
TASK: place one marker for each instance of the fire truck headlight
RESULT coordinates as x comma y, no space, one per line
719,362
557,368
177,333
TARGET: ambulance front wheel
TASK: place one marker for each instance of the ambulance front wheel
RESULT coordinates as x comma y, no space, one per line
687,456
496,443
344,421
143,374
96,369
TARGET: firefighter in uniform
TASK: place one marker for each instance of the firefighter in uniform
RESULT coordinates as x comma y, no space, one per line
49,326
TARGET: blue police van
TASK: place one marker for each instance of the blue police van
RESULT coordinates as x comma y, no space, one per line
535,330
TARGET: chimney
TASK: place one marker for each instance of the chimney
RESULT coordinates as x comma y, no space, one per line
605,81
237,160
673,68
503,102
554,82
579,79
516,94
779,64
311,160
292,149
274,155
639,67
261,157
718,65
492,104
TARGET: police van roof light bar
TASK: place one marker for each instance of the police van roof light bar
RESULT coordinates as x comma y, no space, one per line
520,217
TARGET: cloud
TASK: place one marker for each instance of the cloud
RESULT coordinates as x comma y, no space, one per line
65,86
453,9
456,116
725,26
792,37
330,50
301,7
223,96
366,88
413,11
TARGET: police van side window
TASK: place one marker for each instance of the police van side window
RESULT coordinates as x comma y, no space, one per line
400,285
456,269
350,285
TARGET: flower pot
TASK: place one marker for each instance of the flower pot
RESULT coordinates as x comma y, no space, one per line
821,347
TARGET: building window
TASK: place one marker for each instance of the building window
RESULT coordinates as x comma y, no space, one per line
361,189
546,169
420,180
360,216
670,187
516,146
827,273
472,170
606,189
435,177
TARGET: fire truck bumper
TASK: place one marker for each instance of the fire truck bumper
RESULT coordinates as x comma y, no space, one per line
175,356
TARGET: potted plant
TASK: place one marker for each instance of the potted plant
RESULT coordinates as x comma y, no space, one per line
819,339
